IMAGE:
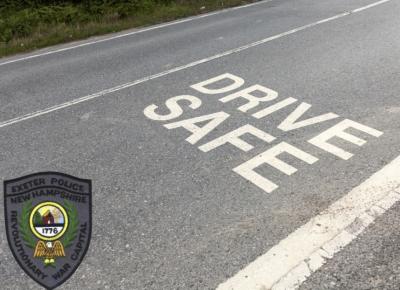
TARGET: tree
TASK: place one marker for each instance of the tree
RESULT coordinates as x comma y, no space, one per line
37,219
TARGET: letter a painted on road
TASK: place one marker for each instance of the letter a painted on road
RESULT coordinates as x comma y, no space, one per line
48,219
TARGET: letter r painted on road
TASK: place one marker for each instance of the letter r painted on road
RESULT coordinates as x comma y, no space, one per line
269,157
253,101
322,139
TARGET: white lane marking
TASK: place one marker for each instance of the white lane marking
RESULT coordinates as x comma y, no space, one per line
134,32
288,264
366,7
176,69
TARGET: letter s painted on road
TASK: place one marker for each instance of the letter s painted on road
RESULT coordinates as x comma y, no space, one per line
173,106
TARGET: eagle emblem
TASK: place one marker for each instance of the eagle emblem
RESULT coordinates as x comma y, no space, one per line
49,251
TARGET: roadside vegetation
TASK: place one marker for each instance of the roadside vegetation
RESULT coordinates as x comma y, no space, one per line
29,24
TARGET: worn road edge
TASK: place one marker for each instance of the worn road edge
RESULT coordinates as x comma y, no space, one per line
289,263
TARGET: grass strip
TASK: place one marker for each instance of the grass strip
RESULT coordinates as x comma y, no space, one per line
31,27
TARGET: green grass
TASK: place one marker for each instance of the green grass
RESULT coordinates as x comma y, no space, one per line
30,28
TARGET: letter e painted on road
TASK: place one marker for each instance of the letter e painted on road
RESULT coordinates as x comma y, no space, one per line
322,139
269,156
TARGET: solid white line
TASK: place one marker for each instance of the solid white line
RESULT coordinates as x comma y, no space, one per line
366,7
176,69
288,264
133,32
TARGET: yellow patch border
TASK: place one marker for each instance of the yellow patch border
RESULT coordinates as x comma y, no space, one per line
65,221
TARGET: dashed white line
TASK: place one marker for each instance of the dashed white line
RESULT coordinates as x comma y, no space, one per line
288,264
183,67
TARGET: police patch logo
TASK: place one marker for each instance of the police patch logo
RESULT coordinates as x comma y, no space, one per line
48,219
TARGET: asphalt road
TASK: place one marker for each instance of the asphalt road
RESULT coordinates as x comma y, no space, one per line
166,214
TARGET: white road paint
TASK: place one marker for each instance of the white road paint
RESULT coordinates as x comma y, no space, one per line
321,140
294,120
253,101
236,83
132,33
173,106
199,132
247,169
273,108
180,68
288,264
233,138
292,123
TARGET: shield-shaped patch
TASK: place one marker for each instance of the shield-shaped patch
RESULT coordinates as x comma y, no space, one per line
48,219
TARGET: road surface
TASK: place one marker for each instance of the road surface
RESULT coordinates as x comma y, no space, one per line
251,148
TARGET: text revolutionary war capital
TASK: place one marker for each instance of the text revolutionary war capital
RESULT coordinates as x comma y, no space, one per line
48,224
